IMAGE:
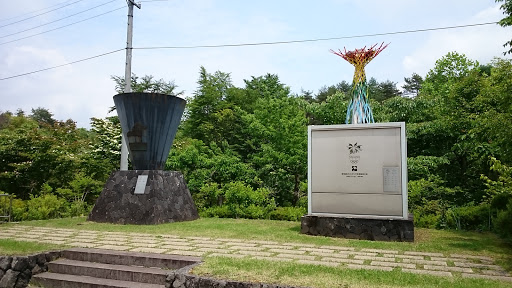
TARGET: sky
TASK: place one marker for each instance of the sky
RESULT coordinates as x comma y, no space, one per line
85,89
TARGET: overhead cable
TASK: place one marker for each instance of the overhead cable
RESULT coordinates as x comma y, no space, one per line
25,19
62,65
69,16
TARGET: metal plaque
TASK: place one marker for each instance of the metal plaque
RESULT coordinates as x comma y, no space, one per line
141,184
392,179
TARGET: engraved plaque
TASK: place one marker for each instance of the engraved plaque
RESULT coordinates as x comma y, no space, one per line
391,177
141,184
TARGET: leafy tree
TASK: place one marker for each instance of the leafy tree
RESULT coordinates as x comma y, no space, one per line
147,84
42,116
507,21
412,84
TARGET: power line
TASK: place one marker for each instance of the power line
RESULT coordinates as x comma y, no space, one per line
64,26
62,65
42,9
35,27
258,44
25,19
317,39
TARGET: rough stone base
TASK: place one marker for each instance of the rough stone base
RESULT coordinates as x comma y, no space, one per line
166,198
359,228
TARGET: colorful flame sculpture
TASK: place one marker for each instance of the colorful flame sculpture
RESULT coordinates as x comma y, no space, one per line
359,110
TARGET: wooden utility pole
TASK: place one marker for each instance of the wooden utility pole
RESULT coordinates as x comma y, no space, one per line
127,76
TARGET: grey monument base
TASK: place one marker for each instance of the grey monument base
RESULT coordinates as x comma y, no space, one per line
162,198
359,228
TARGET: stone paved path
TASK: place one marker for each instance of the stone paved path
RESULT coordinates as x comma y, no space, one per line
437,264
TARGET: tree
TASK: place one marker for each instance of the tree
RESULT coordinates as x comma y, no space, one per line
42,116
412,84
147,84
507,21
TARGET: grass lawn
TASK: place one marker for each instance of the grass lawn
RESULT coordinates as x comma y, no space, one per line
426,240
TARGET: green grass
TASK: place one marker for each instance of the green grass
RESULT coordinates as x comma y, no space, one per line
20,248
426,240
328,277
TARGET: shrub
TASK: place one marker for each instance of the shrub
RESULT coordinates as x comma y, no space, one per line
469,217
503,223
45,207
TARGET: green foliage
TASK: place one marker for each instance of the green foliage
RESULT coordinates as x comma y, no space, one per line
503,223
506,21
46,206
146,84
288,213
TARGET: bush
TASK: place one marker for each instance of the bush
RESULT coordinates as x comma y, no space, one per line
503,223
288,213
469,217
45,207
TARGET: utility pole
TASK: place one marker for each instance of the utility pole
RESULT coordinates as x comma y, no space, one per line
128,76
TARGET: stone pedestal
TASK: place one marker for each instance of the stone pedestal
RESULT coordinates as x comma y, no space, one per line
163,198
359,228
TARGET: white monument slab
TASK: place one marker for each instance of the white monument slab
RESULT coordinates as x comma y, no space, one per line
140,187
358,170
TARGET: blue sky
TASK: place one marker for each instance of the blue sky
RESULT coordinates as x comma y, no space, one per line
84,90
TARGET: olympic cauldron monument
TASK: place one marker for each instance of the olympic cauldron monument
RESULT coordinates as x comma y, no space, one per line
147,194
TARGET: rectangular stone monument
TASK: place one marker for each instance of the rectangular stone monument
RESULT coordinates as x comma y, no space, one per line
357,182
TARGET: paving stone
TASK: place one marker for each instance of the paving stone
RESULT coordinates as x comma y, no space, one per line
53,238
255,253
471,257
225,240
393,264
169,236
343,260
298,245
272,258
240,244
384,259
144,240
338,248
380,251
425,262
114,247
206,242
148,250
176,247
287,251
176,240
295,256
404,256
423,253
263,242
54,241
213,250
475,265
316,250
146,245
31,236
428,272
176,243
246,248
332,264
366,267
496,272
277,247
329,254
444,268
105,242
360,253
227,255
198,238
501,278
444,259
209,246
186,253
83,244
